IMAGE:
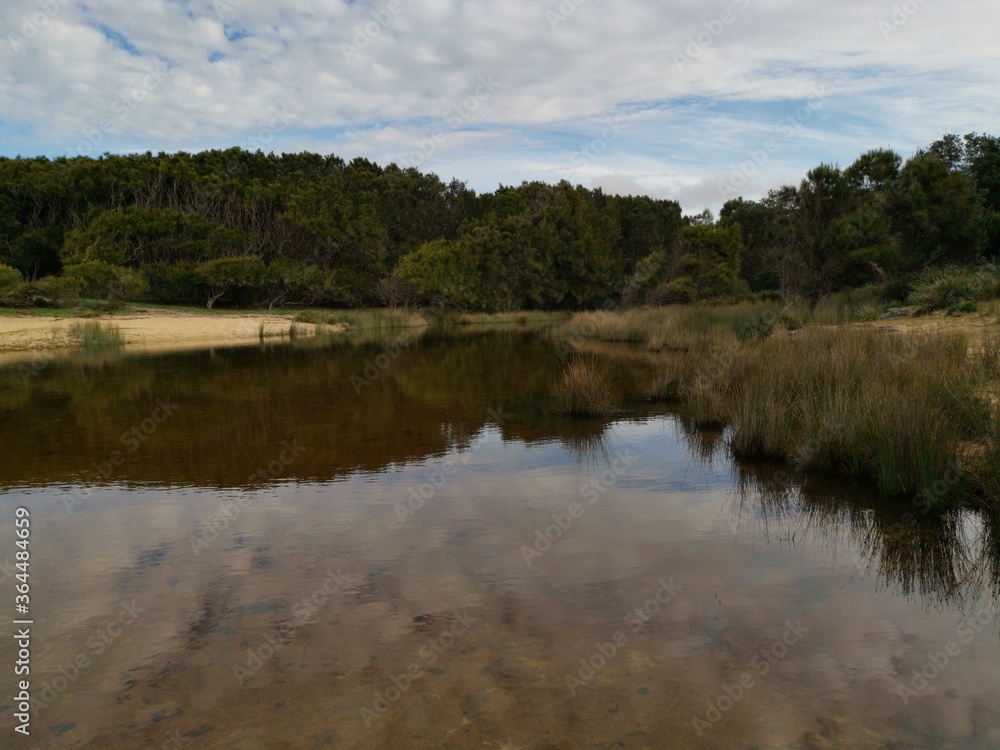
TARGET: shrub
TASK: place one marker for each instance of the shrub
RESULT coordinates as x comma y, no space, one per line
61,290
9,277
966,306
128,285
95,276
943,288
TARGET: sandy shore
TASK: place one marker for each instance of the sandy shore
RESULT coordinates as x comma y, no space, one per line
159,329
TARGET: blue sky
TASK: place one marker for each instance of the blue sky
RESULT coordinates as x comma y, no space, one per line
693,102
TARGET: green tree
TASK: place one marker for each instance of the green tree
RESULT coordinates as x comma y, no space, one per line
236,276
706,265
937,213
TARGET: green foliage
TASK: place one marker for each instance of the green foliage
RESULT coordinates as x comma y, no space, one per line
443,270
938,214
706,265
167,227
235,276
9,277
173,283
60,290
97,277
966,306
945,288
128,285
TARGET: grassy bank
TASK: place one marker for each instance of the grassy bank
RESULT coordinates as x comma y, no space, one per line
916,413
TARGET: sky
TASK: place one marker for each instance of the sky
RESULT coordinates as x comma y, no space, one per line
694,102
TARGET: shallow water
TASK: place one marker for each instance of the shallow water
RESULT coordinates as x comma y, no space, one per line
317,546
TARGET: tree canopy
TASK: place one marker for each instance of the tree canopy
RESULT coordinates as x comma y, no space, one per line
253,229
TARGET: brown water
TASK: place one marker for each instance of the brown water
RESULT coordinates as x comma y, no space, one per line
281,555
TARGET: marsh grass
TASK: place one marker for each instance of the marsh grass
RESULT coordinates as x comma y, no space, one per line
900,409
685,327
586,388
97,336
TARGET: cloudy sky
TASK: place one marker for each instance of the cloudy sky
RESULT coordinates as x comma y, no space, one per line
692,101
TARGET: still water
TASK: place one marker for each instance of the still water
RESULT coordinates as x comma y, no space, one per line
397,543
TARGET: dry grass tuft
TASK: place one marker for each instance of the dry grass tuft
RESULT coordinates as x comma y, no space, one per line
586,388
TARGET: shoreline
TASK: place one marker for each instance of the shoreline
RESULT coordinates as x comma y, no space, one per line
154,330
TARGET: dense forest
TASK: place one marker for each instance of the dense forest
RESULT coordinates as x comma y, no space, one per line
253,229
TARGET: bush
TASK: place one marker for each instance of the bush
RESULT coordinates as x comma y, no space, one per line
968,306
95,276
9,277
943,288
173,283
128,285
869,312
60,290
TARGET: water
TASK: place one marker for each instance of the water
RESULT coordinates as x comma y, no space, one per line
315,546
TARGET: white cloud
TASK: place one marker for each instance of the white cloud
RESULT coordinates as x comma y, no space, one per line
697,86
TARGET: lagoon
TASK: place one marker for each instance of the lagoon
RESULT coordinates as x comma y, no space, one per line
394,540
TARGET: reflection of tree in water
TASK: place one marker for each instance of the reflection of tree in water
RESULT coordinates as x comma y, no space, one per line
943,557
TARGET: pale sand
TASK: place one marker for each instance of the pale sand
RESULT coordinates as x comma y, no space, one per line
157,329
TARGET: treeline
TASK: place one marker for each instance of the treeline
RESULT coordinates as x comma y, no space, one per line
880,220
247,229
254,229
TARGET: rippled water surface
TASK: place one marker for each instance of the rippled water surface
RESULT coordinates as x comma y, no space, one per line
399,543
